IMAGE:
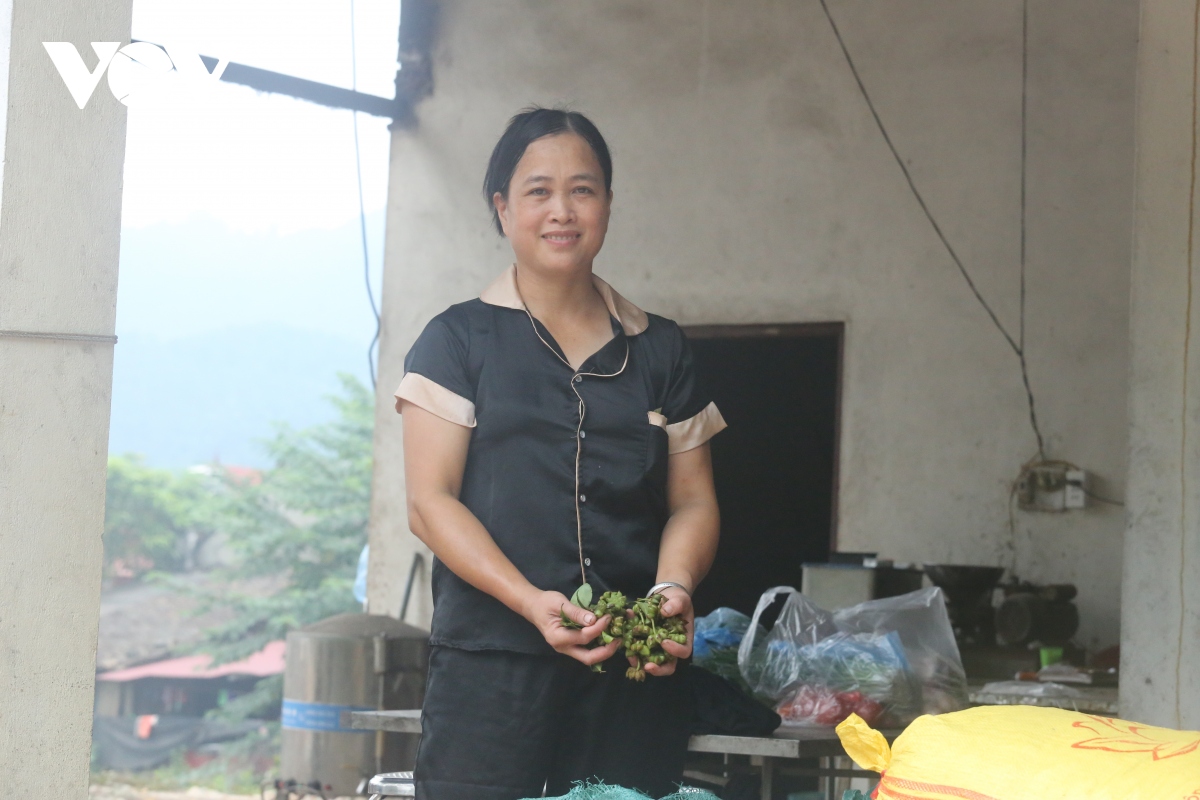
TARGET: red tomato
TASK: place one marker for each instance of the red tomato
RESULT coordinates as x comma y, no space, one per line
818,705
870,710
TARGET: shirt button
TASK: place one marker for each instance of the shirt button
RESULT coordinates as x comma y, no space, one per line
583,498
578,378
587,562
583,434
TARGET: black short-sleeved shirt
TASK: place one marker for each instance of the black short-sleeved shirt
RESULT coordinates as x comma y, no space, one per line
566,469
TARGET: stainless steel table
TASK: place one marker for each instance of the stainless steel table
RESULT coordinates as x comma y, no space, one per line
1099,700
765,752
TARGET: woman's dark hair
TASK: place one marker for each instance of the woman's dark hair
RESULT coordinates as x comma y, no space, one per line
531,124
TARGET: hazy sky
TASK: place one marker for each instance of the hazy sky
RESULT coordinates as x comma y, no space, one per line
262,162
241,293
228,192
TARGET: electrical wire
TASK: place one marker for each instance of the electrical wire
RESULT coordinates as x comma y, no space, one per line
1024,153
362,208
1033,421
1017,345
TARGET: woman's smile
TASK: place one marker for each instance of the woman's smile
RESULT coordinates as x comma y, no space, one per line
555,213
562,238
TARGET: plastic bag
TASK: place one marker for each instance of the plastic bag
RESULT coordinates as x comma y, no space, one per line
920,620
720,629
848,673
715,643
886,660
1022,752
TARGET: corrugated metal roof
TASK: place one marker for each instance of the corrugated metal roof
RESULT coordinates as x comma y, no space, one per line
268,661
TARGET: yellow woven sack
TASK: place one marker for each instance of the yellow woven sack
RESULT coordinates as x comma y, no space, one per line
1027,753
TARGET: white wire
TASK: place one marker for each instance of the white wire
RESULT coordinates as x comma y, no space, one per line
362,208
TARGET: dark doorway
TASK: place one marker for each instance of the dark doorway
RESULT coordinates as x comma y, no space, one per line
776,465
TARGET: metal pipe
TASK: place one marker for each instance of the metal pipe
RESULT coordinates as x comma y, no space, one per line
323,94
418,560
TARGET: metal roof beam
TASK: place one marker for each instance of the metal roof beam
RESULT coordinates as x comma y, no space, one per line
323,94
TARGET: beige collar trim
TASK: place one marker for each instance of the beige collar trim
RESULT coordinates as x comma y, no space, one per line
503,292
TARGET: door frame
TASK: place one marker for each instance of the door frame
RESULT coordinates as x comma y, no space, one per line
797,330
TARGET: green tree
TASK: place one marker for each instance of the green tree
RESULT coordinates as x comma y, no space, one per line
306,522
150,514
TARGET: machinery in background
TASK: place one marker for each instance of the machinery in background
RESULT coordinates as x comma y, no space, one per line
853,578
350,662
1041,614
1000,627
968,600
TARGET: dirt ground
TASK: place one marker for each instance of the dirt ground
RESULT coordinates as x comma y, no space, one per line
124,792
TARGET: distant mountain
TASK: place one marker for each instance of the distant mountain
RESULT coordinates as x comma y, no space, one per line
214,395
199,276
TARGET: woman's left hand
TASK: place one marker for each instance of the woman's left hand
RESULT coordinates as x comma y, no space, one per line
676,603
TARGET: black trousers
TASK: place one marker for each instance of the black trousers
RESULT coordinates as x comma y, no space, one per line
498,725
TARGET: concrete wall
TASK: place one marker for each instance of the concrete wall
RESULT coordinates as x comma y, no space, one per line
1160,653
59,241
751,186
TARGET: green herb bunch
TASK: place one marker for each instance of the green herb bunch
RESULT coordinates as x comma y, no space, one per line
641,627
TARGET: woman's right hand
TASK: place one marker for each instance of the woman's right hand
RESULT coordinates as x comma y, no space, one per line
543,610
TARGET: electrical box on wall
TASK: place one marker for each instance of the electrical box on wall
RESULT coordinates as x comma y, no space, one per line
1052,487
1075,492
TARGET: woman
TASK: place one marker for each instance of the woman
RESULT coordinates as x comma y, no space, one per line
554,435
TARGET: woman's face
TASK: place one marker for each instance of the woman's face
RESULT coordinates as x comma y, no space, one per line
556,212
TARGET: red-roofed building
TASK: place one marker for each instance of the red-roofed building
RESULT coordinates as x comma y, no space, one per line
268,661
244,475
186,686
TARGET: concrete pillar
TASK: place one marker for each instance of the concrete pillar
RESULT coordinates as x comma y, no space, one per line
1160,630
60,221
394,549
410,298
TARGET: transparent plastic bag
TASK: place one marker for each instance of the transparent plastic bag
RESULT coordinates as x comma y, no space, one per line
723,627
920,620
715,643
886,660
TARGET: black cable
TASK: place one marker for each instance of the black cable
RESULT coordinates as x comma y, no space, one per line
1024,150
1017,348
1037,431
362,208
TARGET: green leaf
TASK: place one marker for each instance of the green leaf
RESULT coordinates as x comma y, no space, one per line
582,596
293,531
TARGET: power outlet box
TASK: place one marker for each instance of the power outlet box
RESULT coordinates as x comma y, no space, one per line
1076,491
1052,487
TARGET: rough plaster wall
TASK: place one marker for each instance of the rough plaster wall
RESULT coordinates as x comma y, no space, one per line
1160,652
59,241
751,186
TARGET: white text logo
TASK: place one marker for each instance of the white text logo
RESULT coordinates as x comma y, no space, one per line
136,72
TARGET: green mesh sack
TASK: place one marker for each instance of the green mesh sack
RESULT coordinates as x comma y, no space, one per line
602,791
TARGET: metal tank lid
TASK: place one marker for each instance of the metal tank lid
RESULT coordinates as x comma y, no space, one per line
367,626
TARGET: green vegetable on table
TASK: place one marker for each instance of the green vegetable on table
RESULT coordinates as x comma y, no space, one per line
641,627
